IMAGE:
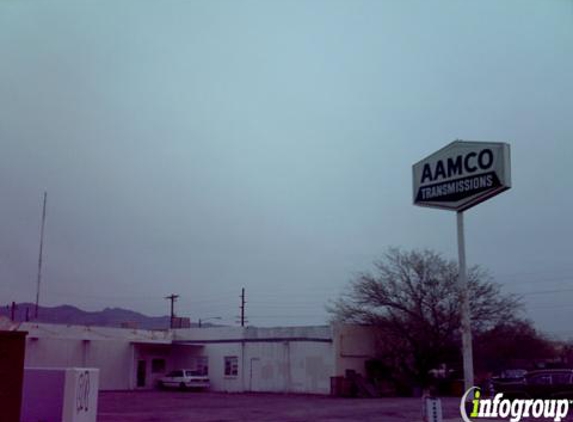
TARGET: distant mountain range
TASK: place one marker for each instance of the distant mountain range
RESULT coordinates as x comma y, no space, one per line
67,314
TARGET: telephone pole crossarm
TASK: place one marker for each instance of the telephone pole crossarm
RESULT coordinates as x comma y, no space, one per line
173,298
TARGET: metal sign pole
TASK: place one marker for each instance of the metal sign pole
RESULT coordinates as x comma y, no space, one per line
466,315
457,177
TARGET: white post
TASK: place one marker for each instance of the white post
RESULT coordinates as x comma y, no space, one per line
466,315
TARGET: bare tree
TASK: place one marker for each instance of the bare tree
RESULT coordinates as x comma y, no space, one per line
414,299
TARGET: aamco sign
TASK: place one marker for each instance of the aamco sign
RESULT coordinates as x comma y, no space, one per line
462,174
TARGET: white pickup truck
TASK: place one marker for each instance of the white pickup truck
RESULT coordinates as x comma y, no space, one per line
184,379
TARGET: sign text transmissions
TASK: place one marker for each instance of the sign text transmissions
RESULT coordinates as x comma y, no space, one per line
461,175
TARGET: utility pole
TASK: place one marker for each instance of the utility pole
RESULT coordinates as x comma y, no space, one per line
13,311
172,298
40,256
243,307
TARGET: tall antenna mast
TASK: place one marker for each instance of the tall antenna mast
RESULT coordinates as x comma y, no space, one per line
40,255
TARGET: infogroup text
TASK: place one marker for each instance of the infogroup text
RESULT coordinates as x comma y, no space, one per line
513,410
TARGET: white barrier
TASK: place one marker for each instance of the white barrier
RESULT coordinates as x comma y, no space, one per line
60,395
432,411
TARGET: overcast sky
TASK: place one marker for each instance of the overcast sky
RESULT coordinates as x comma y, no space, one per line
198,147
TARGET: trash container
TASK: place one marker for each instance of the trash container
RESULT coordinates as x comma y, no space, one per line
60,394
457,388
12,352
336,386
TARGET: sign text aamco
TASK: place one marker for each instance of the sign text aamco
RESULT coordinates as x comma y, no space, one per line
462,174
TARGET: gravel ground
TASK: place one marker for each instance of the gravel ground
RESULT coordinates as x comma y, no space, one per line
174,406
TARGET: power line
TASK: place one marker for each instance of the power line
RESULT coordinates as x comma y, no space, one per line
568,269
543,292
536,281
546,306
289,316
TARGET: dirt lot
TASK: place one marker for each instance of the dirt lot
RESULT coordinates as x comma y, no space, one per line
172,406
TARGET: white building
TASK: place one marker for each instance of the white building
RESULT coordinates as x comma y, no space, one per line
237,359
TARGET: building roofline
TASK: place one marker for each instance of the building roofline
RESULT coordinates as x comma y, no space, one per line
255,340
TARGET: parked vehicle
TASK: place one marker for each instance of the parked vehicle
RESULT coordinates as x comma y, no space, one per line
504,380
511,375
547,383
184,379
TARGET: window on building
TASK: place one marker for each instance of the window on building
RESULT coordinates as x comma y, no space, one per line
231,366
158,366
